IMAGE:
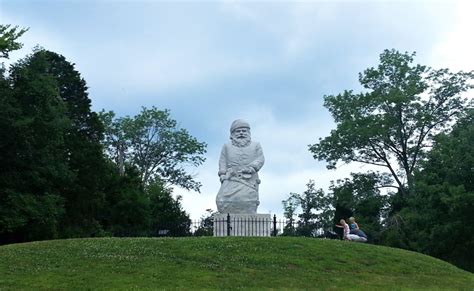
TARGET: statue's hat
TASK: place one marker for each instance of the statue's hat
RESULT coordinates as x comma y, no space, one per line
238,124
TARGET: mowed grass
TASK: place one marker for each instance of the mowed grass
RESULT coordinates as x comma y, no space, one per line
221,263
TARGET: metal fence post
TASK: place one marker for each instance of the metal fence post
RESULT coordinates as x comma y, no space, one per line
228,224
274,225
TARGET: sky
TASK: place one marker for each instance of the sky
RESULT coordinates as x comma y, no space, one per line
269,62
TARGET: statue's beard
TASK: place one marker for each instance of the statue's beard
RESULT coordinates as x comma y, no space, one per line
240,141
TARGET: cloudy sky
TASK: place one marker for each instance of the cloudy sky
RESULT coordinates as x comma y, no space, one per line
268,62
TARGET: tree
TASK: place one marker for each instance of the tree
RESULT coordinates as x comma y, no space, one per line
316,211
32,154
82,138
31,151
53,145
438,219
290,205
392,124
167,215
154,144
8,39
127,209
206,225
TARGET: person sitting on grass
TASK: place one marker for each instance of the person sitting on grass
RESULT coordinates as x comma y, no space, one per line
354,228
347,234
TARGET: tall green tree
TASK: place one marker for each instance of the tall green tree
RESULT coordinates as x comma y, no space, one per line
9,108
438,219
52,99
33,154
167,214
393,122
27,211
153,143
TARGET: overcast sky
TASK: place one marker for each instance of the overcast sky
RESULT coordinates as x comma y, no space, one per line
270,63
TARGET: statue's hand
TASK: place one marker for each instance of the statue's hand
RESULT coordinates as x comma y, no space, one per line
248,170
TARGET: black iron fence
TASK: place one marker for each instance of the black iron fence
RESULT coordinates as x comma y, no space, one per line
256,225
244,225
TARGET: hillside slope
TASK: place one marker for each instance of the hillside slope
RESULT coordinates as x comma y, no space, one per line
207,262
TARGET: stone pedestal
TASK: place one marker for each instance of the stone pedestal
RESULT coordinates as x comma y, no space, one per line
242,225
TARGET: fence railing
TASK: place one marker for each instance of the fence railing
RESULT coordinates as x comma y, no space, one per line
243,225
229,225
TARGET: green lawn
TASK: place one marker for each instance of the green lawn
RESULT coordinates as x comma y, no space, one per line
221,263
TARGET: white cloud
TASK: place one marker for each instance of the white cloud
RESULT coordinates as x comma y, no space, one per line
293,25
36,35
455,51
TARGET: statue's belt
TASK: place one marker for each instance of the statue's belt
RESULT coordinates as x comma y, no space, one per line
253,186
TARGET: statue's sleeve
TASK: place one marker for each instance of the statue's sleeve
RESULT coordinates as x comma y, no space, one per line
259,160
223,162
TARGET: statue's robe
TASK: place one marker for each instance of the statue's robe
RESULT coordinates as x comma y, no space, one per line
239,191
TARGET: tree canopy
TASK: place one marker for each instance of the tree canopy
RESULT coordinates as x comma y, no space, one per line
392,124
438,218
153,143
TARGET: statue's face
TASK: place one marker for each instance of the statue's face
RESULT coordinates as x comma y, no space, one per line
241,133
240,136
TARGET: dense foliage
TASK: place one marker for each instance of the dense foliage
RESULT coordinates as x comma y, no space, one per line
55,179
439,217
33,152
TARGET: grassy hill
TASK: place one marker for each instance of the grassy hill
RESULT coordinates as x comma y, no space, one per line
222,263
